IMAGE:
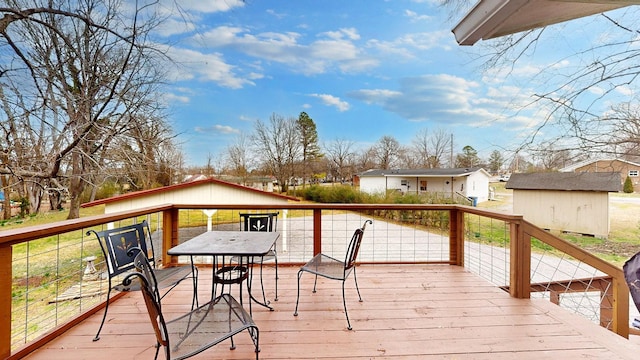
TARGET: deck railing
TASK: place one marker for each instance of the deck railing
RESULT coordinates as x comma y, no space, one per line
46,285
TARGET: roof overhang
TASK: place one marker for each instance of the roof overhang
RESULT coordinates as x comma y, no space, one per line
493,18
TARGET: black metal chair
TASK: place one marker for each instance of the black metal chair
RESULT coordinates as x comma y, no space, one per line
262,222
199,329
115,244
334,269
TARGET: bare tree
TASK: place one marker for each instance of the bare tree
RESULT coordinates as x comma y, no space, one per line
421,147
79,76
341,159
279,146
366,159
387,151
624,139
431,149
238,158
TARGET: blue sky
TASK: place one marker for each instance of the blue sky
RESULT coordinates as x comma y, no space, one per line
361,69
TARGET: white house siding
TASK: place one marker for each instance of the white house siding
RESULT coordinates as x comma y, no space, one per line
477,185
204,194
584,212
373,185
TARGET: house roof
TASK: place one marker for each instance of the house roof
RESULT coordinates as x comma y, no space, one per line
143,193
584,181
588,162
494,18
457,172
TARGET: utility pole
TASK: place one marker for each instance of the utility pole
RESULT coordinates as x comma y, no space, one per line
451,158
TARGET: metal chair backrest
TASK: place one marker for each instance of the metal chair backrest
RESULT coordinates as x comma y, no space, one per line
259,221
151,295
354,246
116,243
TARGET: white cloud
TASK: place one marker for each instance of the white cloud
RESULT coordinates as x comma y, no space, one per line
276,14
335,49
331,100
408,44
226,129
415,16
220,129
173,26
208,67
206,6
172,98
445,99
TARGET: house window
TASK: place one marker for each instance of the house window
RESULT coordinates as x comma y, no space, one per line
404,182
423,185
633,173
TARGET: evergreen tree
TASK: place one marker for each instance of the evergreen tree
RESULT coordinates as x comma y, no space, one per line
628,186
309,142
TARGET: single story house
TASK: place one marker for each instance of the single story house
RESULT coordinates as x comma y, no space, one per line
570,202
623,167
467,182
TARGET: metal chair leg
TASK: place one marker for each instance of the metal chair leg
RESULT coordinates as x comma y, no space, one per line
276,259
194,272
104,316
344,302
314,284
264,296
295,313
355,278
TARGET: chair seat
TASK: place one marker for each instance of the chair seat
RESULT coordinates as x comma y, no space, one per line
207,326
166,277
326,266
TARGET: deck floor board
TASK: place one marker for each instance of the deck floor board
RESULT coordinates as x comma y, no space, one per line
409,312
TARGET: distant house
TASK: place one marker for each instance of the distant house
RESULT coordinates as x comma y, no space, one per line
571,202
190,178
623,167
264,183
468,182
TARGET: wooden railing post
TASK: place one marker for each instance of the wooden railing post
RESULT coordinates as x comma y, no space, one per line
6,279
520,262
456,237
170,238
317,231
620,320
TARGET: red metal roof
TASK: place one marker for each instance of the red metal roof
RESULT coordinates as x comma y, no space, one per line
142,193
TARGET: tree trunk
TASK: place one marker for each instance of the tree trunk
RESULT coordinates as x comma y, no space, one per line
76,186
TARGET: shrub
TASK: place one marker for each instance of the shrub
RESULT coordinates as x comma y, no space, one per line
628,186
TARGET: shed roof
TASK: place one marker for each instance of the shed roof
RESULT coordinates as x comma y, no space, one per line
584,181
456,172
143,193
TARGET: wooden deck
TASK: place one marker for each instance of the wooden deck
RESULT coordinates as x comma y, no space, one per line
409,312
